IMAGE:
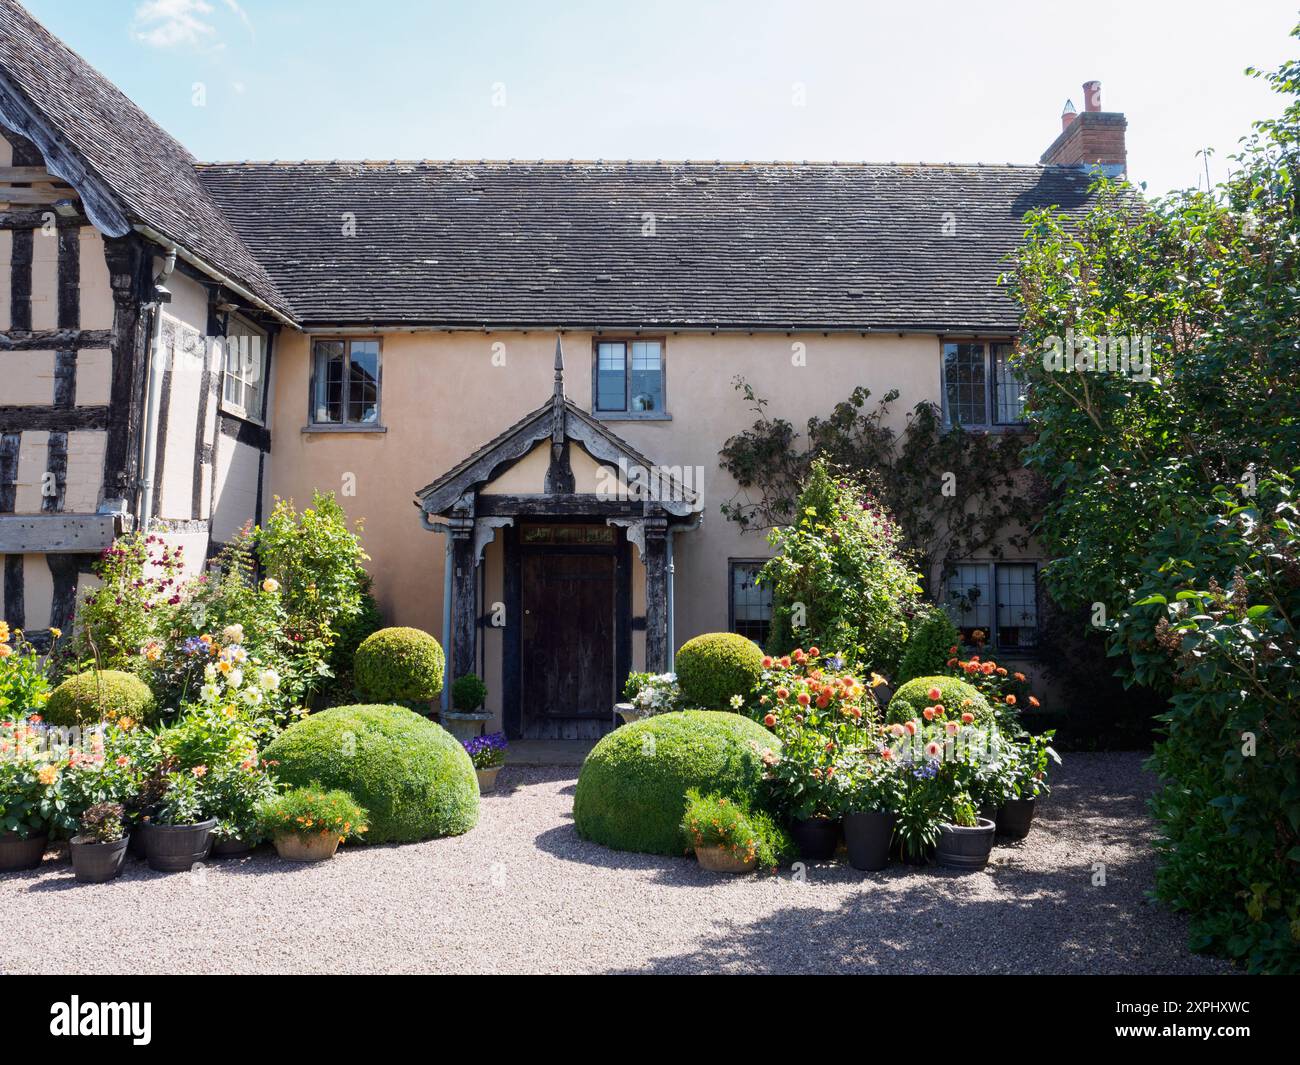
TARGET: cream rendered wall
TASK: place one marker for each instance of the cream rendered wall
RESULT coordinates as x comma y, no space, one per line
96,300
443,397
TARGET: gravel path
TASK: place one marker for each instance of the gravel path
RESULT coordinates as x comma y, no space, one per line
522,893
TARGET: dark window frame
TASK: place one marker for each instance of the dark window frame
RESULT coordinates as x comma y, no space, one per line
990,423
992,641
626,413
346,426
732,565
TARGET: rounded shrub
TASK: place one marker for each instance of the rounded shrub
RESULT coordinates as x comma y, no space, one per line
929,645
631,792
468,693
413,777
716,666
107,695
399,665
955,696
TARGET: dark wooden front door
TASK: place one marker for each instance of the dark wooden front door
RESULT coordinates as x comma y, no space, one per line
568,639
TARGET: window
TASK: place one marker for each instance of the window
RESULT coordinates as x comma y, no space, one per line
243,352
980,389
999,598
750,604
629,377
345,383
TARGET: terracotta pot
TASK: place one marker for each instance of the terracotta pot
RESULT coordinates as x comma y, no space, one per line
314,848
867,835
1015,817
487,779
96,863
18,853
177,848
967,848
721,860
816,837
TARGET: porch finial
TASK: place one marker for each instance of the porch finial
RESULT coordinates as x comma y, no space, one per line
557,401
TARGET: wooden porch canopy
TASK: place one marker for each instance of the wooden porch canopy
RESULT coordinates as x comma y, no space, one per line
644,508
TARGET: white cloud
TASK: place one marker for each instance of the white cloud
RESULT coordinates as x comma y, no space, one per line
175,23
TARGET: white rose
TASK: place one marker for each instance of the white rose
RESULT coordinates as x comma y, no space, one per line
270,679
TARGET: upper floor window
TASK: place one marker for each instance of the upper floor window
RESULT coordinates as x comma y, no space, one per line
998,598
629,377
980,389
243,385
345,383
750,605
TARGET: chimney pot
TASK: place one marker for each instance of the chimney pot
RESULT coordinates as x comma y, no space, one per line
1068,114
1092,96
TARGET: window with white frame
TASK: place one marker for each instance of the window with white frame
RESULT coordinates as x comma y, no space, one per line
999,599
345,383
243,369
750,605
629,377
980,387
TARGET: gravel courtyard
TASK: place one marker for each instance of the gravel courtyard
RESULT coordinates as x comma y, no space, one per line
522,893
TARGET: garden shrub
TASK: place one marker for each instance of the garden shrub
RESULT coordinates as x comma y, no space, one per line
107,695
631,792
745,833
399,665
714,668
413,778
468,693
349,632
929,646
956,696
840,579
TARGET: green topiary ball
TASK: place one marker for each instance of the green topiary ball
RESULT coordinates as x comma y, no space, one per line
716,666
631,792
413,778
929,645
468,693
399,665
914,696
90,697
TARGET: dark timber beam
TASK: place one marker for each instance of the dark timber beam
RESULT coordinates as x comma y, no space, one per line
656,595
464,590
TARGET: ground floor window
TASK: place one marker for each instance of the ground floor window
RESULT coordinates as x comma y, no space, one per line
998,598
750,604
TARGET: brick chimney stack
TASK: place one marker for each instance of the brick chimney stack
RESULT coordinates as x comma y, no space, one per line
1093,138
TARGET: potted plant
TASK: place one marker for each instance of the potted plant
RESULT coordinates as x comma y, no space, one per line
180,833
308,824
648,694
920,809
99,847
1028,781
874,797
468,694
29,794
488,753
235,791
730,837
966,840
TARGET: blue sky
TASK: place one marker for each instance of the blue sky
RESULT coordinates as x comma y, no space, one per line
919,81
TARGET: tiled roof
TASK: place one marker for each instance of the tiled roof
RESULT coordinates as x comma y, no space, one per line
148,172
763,245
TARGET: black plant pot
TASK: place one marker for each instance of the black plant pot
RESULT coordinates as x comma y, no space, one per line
989,813
176,848
867,836
965,848
1015,817
231,848
816,838
138,847
16,854
95,863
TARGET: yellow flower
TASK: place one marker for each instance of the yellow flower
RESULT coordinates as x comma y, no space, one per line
5,650
48,775
56,632
126,722
270,585
4,632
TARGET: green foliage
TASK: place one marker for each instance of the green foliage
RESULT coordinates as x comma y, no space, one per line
839,578
716,668
106,695
400,665
955,696
631,792
990,508
312,811
102,822
350,633
1198,581
413,778
468,693
748,834
930,645
24,681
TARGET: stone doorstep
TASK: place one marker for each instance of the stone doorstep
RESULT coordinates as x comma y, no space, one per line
548,752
